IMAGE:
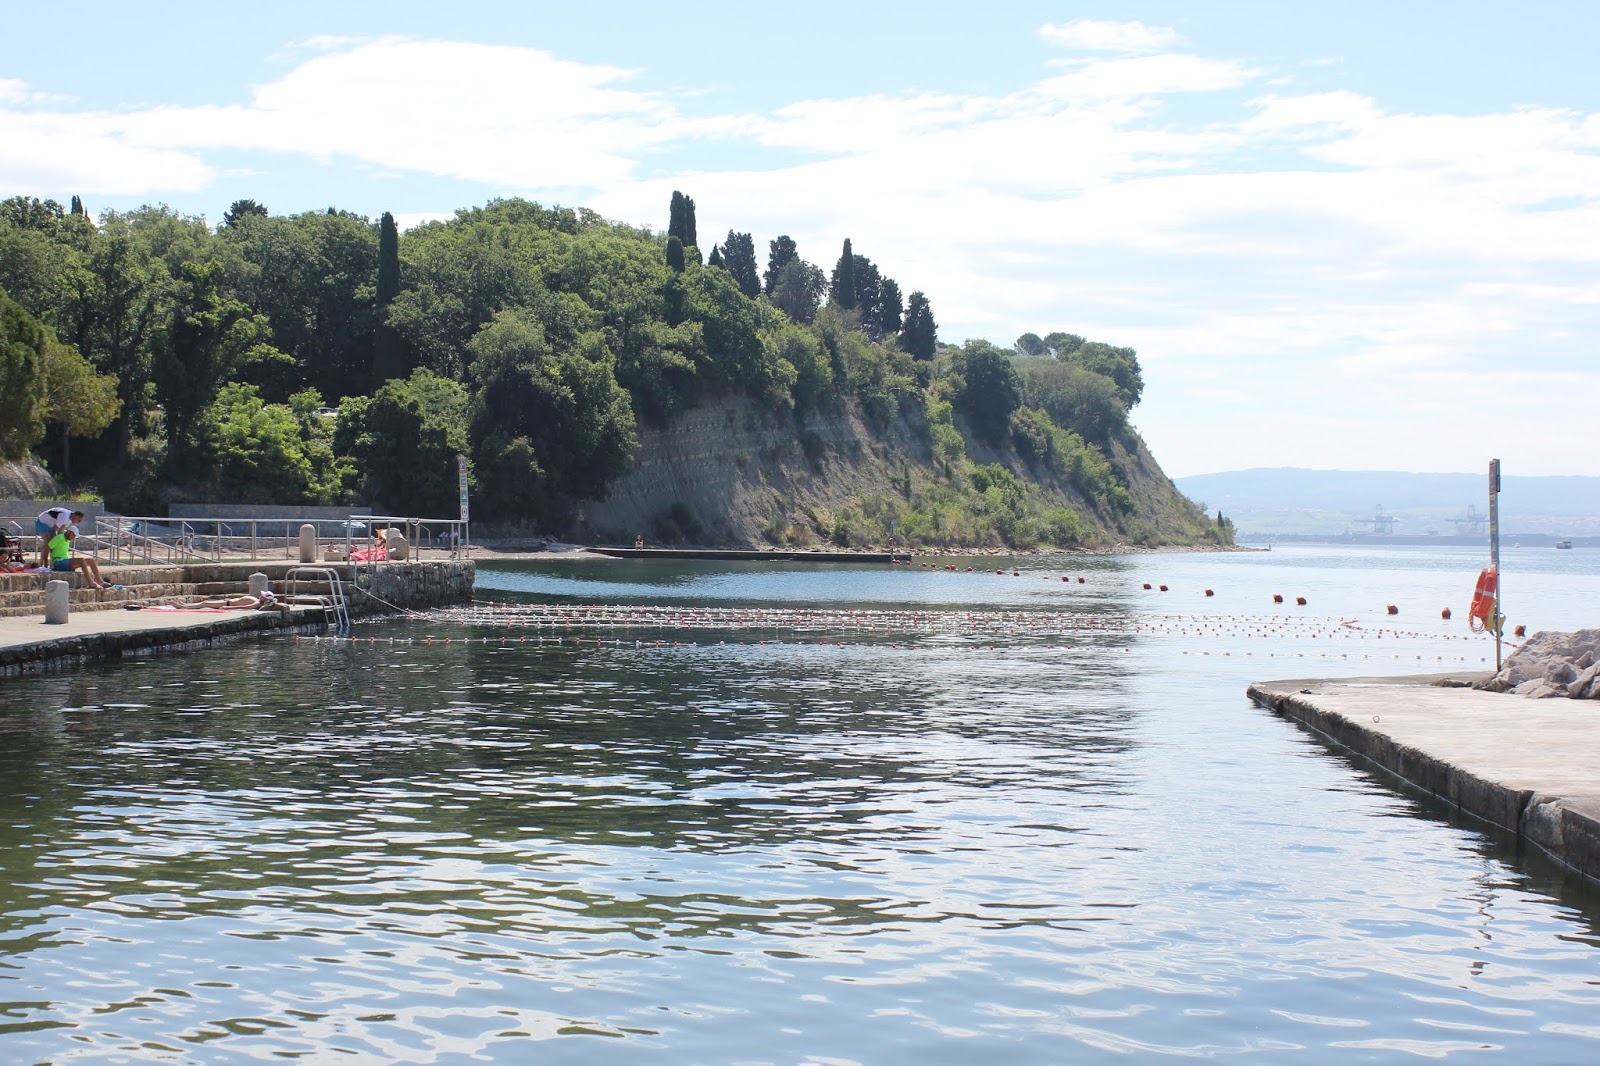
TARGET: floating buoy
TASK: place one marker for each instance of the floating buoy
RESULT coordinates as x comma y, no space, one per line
1445,614
1277,599
1392,609
1301,600
1147,585
1163,588
1210,593
1080,581
1520,631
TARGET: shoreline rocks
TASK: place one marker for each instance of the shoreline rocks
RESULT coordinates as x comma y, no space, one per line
1552,664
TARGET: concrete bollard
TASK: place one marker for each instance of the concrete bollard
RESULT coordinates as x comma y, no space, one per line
56,597
397,547
258,584
308,543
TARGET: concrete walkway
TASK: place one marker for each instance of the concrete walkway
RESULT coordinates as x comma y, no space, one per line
27,644
1529,767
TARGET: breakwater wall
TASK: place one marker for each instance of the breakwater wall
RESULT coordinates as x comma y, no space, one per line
1528,768
97,628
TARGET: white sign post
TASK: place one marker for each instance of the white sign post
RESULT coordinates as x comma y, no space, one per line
466,511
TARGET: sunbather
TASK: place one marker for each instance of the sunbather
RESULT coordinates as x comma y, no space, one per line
265,602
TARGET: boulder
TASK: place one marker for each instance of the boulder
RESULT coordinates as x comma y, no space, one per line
1552,664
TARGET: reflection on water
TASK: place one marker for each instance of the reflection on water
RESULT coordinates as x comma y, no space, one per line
852,847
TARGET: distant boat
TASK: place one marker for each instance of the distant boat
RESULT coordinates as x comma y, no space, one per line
1563,543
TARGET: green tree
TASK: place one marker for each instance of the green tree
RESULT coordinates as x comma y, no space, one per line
388,352
781,252
80,401
1121,365
547,426
209,338
715,259
799,289
920,334
739,257
1062,345
990,389
314,277
842,286
681,223
1031,344
675,261
22,347
263,451
404,440
240,210
1087,403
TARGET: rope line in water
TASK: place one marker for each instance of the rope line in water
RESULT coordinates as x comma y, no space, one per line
680,625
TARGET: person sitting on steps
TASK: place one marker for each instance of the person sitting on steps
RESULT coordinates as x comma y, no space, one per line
62,559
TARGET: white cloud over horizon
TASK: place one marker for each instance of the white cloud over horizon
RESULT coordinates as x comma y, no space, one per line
1194,206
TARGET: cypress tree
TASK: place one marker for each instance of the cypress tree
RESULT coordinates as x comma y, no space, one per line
739,257
920,335
680,220
716,258
675,254
843,292
388,356
78,208
675,216
780,252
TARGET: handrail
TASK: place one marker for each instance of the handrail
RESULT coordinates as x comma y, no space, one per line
174,540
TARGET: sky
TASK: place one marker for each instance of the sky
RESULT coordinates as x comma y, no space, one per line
1360,236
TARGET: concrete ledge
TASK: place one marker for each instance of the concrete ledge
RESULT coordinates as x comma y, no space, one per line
118,634
1528,767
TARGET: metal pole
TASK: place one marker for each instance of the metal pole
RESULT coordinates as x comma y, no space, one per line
1494,553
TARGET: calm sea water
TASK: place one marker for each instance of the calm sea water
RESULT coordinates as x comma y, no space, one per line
863,815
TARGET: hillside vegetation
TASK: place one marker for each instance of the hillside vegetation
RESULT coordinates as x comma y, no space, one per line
602,379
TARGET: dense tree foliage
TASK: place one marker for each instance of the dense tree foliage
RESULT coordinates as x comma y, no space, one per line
739,256
990,388
22,345
681,222
842,284
388,350
919,335
780,252
531,339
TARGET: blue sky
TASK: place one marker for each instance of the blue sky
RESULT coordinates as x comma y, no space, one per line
1357,236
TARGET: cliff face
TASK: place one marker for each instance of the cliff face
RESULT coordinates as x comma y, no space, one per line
729,473
732,474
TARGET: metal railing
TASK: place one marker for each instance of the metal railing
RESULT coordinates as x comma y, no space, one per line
130,540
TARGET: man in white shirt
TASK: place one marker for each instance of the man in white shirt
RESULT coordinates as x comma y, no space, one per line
52,521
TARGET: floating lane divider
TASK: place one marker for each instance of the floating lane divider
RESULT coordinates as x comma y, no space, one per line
663,625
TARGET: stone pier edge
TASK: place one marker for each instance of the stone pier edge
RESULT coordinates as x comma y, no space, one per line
386,589
1568,837
70,650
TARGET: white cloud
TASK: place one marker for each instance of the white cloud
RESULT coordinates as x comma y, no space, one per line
1315,251
1100,36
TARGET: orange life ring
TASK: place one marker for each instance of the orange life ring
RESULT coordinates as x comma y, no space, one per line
1481,614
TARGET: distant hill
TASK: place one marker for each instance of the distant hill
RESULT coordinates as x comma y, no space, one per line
1292,501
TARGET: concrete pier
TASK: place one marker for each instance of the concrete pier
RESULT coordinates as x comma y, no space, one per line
1528,767
97,629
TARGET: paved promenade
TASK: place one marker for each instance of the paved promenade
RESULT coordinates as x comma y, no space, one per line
1530,767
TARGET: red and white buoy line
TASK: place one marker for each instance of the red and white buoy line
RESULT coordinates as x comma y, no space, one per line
677,625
